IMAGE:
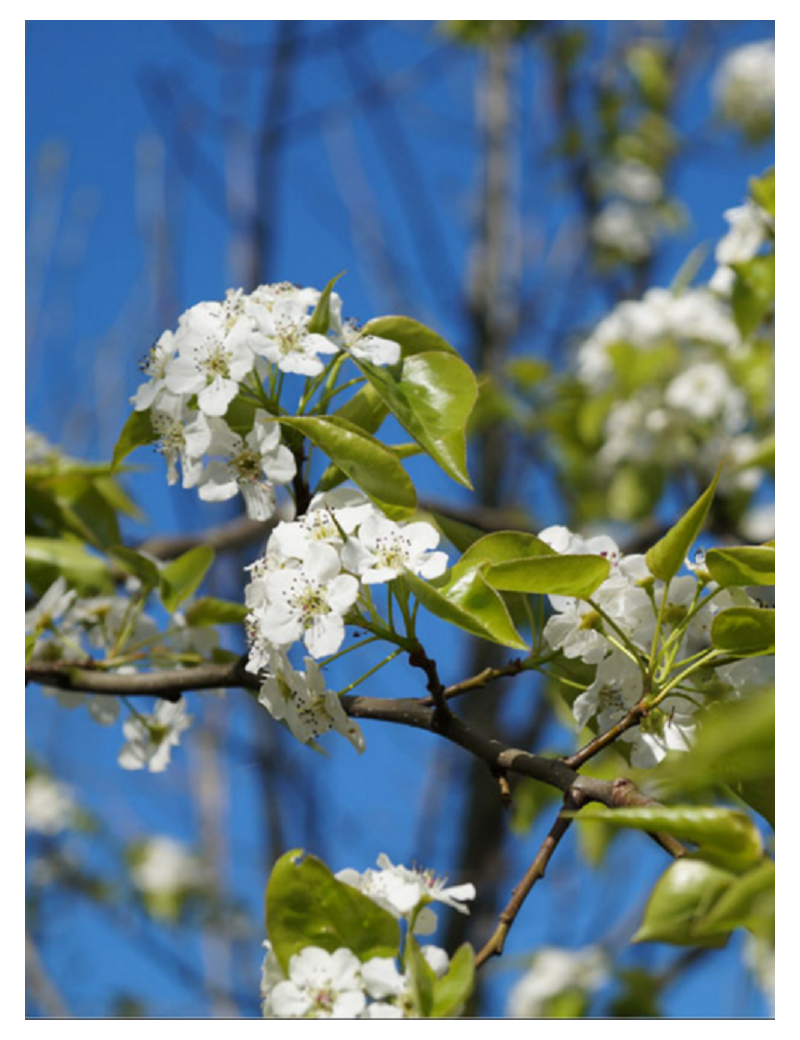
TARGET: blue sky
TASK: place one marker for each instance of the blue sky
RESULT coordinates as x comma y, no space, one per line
92,120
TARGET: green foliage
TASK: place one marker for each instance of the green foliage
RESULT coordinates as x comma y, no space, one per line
180,578
723,836
744,631
47,559
320,320
443,997
742,565
431,397
138,430
753,295
307,906
667,556
368,462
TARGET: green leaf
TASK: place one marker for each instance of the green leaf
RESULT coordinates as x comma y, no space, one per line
679,903
463,598
307,906
762,191
666,557
748,902
367,462
421,976
138,430
141,567
452,991
48,558
744,631
742,565
320,320
431,397
576,575
211,611
182,576
726,837
502,546
460,535
753,293
365,409
413,337
734,745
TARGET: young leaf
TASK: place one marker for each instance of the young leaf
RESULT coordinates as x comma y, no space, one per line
723,836
320,320
413,337
666,557
749,902
182,576
421,977
432,398
742,565
678,905
744,631
452,991
48,558
138,430
367,462
464,599
307,906
575,575
141,567
211,611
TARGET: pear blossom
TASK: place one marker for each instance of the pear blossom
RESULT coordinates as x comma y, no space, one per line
216,353
330,518
308,602
287,342
304,702
366,347
406,893
149,739
183,436
155,366
163,864
320,985
252,465
554,970
52,605
384,549
744,87
704,390
50,806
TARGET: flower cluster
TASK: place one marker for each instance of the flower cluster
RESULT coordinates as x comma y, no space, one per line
614,632
744,88
225,351
555,972
324,984
64,627
303,588
681,381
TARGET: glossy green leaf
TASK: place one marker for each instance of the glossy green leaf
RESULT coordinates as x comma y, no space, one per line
666,557
575,575
460,535
502,546
182,576
367,462
742,565
365,409
413,336
744,631
138,430
762,191
464,599
46,559
452,991
320,320
681,900
748,902
307,906
431,397
140,566
211,611
726,837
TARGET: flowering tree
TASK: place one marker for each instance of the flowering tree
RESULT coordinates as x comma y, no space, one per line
657,651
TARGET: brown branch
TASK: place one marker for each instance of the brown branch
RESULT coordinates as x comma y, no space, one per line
535,872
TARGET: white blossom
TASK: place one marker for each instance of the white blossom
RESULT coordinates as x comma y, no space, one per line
553,971
251,465
383,550
287,342
183,436
308,602
149,739
163,864
366,347
744,86
155,366
320,985
49,805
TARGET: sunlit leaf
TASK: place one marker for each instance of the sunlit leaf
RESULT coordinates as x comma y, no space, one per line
666,557
744,631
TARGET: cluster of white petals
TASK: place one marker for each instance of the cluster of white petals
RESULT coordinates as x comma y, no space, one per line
554,971
305,585
626,606
744,87
221,348
324,984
